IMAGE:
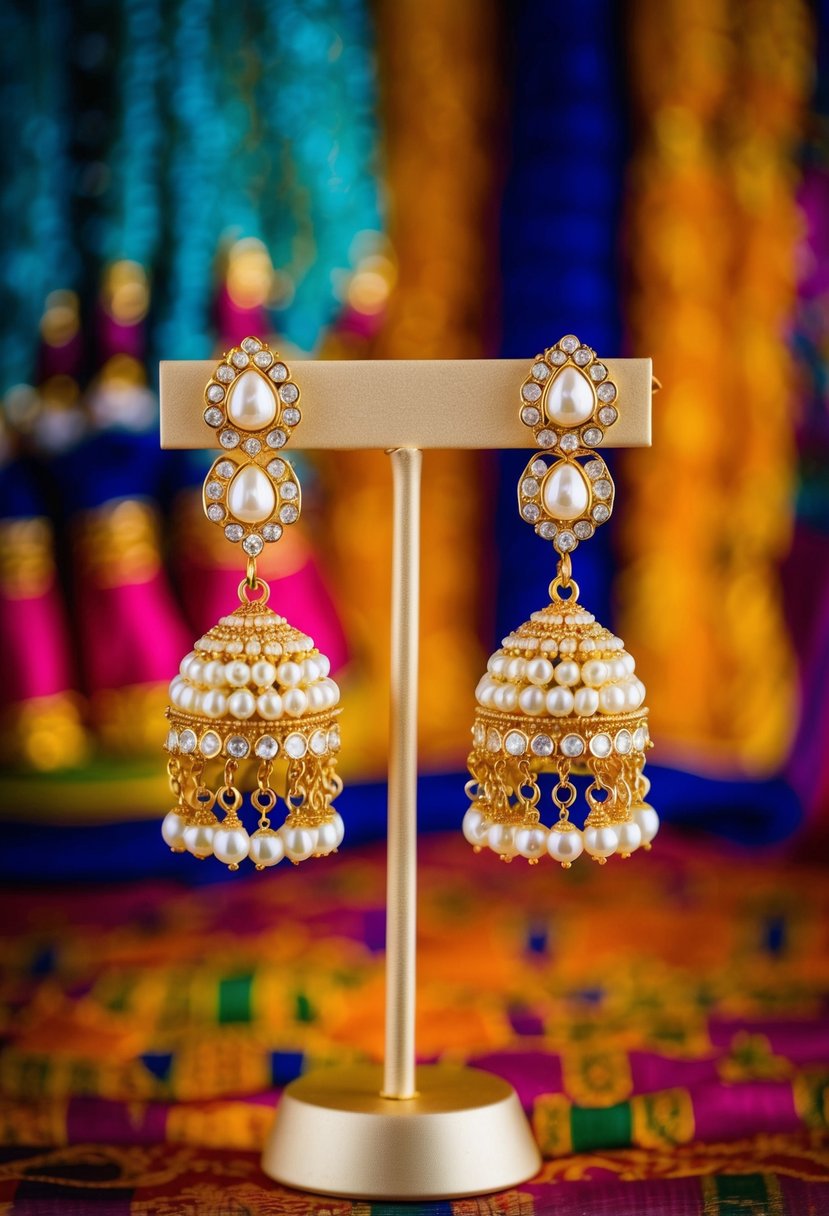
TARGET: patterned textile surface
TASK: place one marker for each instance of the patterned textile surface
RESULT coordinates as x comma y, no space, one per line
664,1021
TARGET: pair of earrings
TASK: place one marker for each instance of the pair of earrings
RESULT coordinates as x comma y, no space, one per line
254,704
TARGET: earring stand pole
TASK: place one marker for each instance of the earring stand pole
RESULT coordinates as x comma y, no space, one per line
401,1131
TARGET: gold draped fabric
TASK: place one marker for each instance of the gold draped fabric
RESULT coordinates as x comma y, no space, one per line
719,90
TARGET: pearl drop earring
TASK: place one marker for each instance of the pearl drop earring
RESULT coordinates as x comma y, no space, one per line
561,696
254,696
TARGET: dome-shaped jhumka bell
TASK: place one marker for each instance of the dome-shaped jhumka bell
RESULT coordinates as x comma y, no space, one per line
253,707
562,697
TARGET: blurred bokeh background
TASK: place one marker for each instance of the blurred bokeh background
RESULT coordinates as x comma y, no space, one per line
403,179
416,180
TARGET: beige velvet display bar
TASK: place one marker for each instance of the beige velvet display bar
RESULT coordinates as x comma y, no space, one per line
402,1132
406,403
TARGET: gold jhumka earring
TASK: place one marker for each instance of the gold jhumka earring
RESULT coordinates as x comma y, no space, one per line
561,696
253,707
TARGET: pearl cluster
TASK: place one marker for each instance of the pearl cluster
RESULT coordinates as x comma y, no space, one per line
564,842
244,691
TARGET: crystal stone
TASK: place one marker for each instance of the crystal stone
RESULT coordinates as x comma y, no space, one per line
569,343
594,469
215,513
237,747
276,467
263,359
288,514
296,746
213,416
251,496
251,403
583,356
542,745
540,371
319,743
558,357
600,513
277,438
598,372
239,359
291,416
225,373
214,489
210,744
515,743
565,541
278,372
601,746
251,345
607,415
493,740
592,435
229,439
583,529
546,438
538,468
234,532
172,740
531,391
565,494
252,446
623,742
288,490
602,488
547,530
606,392
529,486
289,393
570,398
568,443
253,545
530,415
572,745
187,741
266,747
271,532
215,393
531,512
640,738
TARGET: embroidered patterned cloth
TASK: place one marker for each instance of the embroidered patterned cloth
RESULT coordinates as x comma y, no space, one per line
663,1020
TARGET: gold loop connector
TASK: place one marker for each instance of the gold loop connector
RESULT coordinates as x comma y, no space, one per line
250,575
258,584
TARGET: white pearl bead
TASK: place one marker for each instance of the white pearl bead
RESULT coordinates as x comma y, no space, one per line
601,842
172,829
337,821
333,690
324,664
213,703
198,839
630,837
174,691
195,671
317,698
628,662
251,402
633,697
326,838
565,846
505,697
251,496
611,699
185,662
263,674
501,839
642,690
231,845
294,702
515,670
594,673
568,673
648,821
559,701
475,826
564,492
570,398
241,704
532,700
237,674
187,697
267,847
269,706
616,670
289,674
299,842
531,842
214,674
567,646
497,663
539,671
586,701
310,671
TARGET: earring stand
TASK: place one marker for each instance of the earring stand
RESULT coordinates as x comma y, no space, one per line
400,1131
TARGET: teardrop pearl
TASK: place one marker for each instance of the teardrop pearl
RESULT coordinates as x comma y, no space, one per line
570,398
565,493
251,402
251,496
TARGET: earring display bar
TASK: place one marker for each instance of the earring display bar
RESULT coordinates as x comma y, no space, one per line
400,1131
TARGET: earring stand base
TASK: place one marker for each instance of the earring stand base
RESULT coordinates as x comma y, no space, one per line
464,1133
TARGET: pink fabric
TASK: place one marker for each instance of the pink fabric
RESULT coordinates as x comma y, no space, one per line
131,634
34,652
